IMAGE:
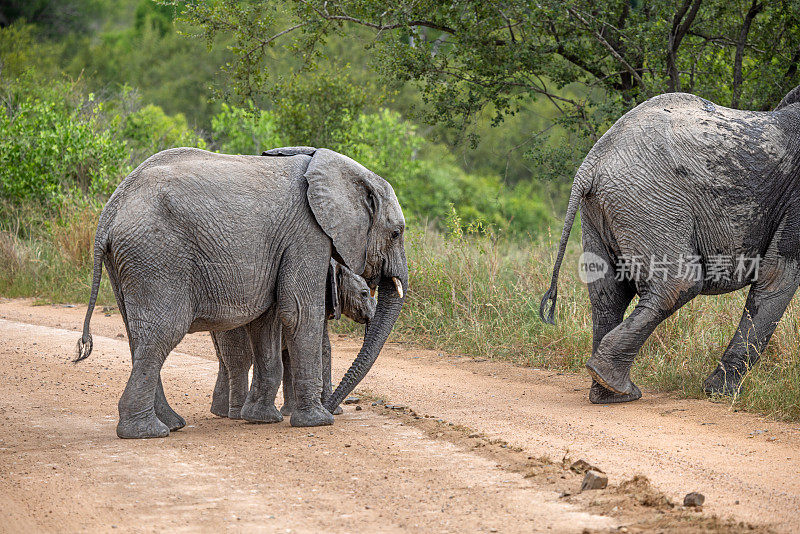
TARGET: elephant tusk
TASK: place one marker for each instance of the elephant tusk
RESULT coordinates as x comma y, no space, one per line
398,285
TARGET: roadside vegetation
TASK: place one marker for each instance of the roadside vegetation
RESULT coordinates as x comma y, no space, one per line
85,100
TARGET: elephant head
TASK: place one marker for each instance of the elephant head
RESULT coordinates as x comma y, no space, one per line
348,294
359,211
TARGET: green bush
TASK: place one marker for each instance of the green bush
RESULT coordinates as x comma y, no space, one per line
241,131
150,130
52,147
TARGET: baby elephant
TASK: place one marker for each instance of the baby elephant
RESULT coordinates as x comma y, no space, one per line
346,293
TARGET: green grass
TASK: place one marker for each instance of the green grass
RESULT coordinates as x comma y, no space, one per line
472,295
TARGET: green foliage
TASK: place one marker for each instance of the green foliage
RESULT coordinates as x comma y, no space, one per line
319,110
169,70
150,130
244,131
55,18
51,148
590,61
425,176
156,16
22,52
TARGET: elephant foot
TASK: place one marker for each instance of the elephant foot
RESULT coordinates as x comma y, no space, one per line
144,425
169,417
338,411
287,409
314,415
614,376
234,412
219,406
723,382
260,413
600,395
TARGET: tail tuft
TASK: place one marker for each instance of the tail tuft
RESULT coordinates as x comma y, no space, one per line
84,348
545,314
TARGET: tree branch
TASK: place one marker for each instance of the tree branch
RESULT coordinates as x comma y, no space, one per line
680,25
610,48
755,8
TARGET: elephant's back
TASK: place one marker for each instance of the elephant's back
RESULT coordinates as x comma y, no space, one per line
679,171
680,138
207,224
189,186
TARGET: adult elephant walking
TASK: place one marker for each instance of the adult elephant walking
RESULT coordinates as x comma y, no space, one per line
194,240
682,197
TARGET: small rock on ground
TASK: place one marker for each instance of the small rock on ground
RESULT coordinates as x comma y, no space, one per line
352,400
581,466
694,499
594,480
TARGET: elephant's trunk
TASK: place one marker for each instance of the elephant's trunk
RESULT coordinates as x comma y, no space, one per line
378,329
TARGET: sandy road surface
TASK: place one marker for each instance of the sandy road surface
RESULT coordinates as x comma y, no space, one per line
62,467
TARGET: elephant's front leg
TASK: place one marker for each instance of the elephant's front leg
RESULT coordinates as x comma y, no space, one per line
265,335
288,389
219,399
327,386
304,322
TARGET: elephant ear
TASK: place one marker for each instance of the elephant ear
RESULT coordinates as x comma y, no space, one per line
344,195
333,304
290,151
792,98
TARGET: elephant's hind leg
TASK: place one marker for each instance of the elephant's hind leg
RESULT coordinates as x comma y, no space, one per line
265,335
766,302
288,388
611,363
137,411
609,298
163,410
219,399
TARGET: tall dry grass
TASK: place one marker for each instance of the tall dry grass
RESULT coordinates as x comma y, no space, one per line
49,256
479,296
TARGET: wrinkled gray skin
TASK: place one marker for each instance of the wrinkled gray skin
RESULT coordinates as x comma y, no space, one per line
346,293
679,175
194,241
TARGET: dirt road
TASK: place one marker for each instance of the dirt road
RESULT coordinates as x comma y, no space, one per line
465,454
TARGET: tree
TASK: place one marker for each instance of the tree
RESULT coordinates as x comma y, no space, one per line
54,17
590,61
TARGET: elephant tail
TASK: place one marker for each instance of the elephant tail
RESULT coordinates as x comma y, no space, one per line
85,344
580,187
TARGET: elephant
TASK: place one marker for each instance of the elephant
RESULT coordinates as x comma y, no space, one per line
346,293
683,197
198,241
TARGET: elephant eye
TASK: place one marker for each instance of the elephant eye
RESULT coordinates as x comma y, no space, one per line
395,234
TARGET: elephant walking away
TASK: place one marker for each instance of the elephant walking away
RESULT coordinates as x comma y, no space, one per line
194,240
682,197
347,293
